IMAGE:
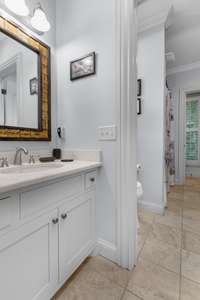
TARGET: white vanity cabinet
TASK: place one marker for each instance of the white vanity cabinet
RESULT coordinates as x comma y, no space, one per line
51,234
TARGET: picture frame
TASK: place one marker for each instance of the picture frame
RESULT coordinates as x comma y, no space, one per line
34,86
139,87
139,106
83,67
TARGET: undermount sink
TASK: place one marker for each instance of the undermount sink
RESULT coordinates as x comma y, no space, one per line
31,168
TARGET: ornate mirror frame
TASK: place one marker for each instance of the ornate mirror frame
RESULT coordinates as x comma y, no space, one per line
44,131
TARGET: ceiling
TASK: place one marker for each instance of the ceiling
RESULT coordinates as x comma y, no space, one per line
183,36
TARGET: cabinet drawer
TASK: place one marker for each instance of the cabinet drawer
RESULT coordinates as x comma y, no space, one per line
90,180
35,200
9,211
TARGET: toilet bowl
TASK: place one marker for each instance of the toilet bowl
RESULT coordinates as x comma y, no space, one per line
139,196
139,191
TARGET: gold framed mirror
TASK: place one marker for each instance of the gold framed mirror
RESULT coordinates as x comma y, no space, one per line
25,85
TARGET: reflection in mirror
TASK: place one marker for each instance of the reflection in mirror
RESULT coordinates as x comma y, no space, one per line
19,79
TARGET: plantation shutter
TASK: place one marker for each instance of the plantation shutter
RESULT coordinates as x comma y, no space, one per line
192,130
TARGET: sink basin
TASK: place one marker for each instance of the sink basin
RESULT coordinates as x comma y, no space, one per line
31,168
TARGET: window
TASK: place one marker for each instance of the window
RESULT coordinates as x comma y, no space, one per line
192,129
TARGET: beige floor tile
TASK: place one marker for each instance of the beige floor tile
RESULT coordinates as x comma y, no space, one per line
177,188
192,184
189,290
191,220
141,240
175,206
108,269
169,219
162,254
146,216
191,242
130,296
191,266
192,200
144,227
167,234
90,285
176,195
151,282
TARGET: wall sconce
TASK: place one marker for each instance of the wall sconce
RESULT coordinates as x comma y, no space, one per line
18,7
39,19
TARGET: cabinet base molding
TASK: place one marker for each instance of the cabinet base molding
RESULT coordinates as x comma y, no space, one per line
106,249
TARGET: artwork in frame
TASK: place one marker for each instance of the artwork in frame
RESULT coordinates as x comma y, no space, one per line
83,67
139,106
139,87
34,86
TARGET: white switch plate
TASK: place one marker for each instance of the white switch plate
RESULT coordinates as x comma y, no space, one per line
107,133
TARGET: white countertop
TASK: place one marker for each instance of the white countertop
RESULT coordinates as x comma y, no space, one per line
17,180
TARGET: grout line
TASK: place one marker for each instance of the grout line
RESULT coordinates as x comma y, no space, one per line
146,236
130,292
188,279
123,294
158,265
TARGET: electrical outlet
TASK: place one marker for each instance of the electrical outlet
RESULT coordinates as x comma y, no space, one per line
107,133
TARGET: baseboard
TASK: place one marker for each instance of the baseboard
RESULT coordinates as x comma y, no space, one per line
152,207
106,249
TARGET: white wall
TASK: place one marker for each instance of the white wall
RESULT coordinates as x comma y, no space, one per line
83,105
151,69
49,38
188,80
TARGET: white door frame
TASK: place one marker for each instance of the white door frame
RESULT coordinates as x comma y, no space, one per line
126,82
182,130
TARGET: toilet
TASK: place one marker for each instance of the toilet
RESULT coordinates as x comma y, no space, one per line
139,190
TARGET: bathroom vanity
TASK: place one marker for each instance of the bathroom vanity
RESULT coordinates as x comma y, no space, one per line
47,226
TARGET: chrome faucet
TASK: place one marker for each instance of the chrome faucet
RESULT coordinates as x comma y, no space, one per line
18,155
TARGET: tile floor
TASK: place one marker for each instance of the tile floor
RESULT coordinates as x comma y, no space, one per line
168,260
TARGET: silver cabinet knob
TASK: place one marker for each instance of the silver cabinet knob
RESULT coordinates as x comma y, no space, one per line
55,221
64,216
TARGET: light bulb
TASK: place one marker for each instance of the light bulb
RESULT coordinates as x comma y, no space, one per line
19,7
39,20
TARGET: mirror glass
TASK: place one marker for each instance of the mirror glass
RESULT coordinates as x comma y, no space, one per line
19,84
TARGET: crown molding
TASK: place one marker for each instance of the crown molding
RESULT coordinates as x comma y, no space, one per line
183,68
161,18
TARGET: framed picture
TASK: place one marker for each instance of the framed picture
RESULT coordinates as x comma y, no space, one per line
139,106
34,86
139,87
83,67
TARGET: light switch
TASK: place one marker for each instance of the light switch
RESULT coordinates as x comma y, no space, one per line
107,133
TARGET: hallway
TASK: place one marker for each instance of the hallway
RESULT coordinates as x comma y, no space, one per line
169,258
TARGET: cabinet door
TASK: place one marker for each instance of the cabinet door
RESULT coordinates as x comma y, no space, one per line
76,234
28,260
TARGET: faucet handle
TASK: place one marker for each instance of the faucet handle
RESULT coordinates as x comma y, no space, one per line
6,162
31,159
1,160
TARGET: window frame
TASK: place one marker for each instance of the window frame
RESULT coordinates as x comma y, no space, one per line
190,98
